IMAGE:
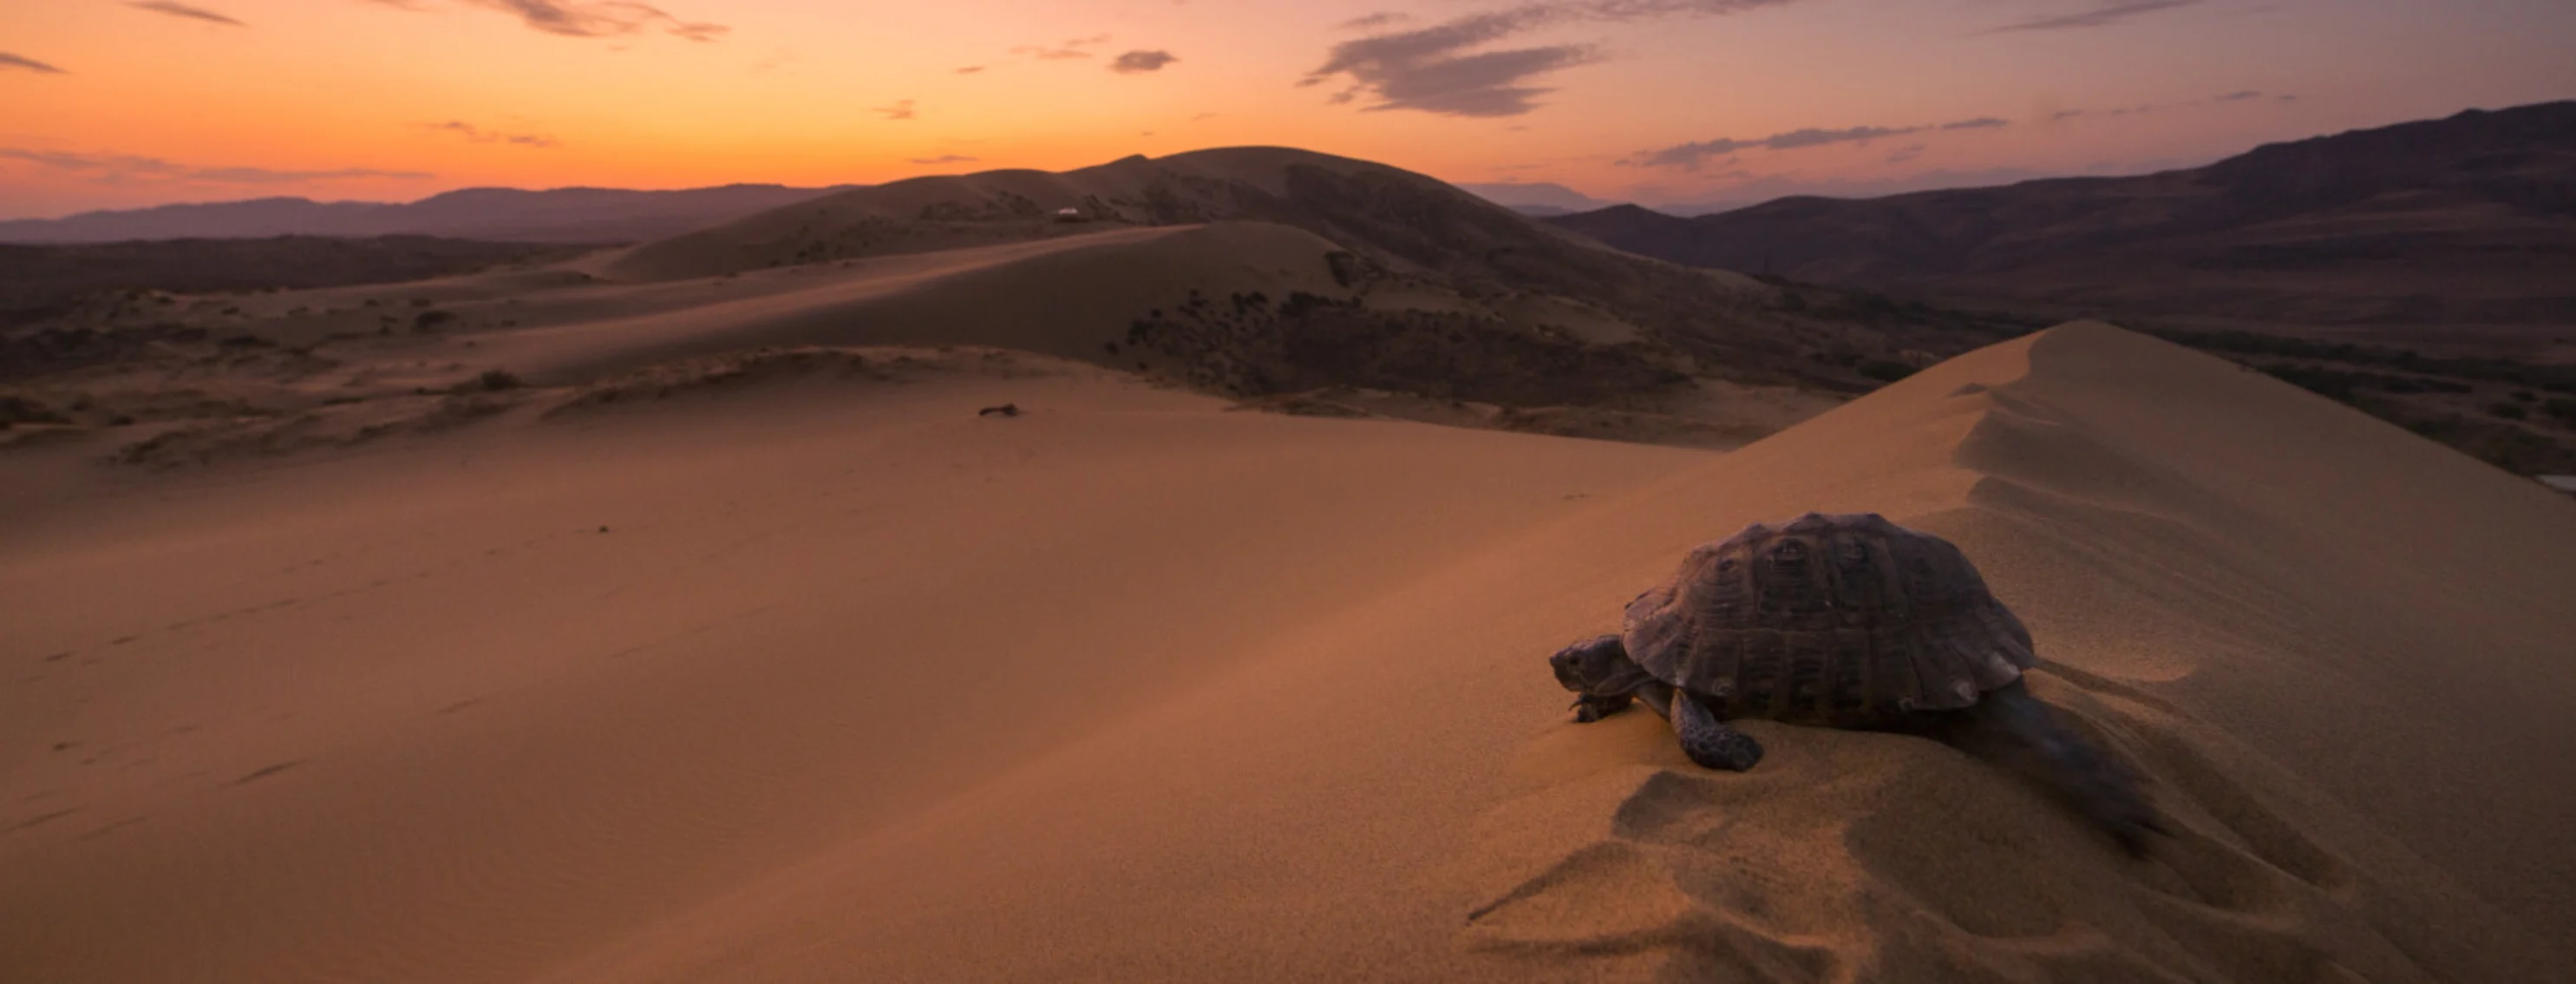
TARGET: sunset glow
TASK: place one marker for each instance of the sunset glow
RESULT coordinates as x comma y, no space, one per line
122,104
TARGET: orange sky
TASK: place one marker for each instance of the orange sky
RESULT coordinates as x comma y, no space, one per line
115,104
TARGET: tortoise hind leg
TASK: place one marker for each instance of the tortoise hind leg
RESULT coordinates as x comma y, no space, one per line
1707,740
2018,729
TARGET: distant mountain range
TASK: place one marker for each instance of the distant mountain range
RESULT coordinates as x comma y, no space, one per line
2469,220
1535,198
560,215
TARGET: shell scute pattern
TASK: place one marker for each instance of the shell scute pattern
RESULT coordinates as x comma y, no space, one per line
1839,619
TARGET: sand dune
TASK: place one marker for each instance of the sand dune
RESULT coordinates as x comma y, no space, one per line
1073,297
838,681
989,207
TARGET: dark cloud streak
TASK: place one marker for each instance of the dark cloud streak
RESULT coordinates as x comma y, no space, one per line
126,167
183,10
479,135
589,18
2102,17
8,60
1691,156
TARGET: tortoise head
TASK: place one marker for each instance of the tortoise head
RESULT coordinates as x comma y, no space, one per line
1597,667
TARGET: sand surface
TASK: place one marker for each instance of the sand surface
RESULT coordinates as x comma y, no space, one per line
823,677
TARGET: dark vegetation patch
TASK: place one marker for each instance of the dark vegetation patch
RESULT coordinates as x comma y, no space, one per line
1250,347
2460,402
2554,378
15,410
38,283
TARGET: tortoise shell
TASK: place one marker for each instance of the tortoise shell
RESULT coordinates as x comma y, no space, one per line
1835,619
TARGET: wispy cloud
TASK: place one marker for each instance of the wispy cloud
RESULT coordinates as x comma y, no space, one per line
589,18
1371,22
2103,16
2142,109
1692,156
945,159
1980,123
1060,52
901,110
8,60
1439,69
1141,61
970,69
183,10
479,135
119,168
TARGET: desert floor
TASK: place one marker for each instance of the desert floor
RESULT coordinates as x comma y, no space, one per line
796,668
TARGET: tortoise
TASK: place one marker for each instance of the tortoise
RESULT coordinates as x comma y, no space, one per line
1847,621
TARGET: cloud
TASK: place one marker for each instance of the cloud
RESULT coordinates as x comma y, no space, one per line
2239,96
1069,49
589,18
1903,154
2100,17
1141,61
183,10
1436,69
901,110
1692,156
479,135
970,69
2065,114
117,168
1752,189
8,60
945,159
1811,137
1374,21
1980,123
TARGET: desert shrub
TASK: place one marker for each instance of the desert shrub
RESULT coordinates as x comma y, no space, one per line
1885,370
430,320
2562,408
496,380
2508,411
2323,382
21,410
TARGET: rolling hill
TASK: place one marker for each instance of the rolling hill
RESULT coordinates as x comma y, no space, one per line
2464,225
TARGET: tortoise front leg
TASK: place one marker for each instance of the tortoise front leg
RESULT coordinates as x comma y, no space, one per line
1590,707
1707,740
